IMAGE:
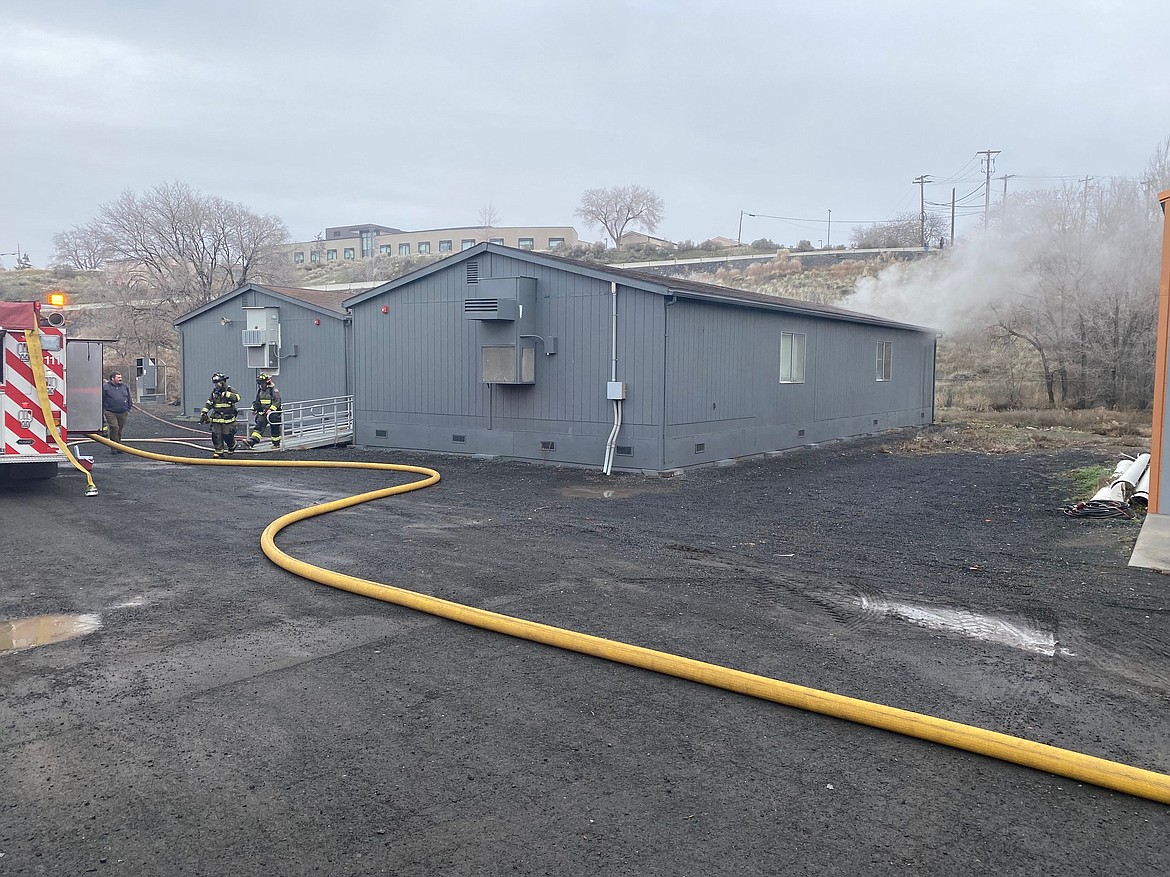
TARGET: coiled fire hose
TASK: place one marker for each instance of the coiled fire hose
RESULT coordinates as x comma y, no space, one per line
1051,759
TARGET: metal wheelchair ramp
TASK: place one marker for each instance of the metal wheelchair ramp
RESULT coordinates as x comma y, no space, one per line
315,423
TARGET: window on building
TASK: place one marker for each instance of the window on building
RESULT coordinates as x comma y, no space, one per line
444,246
792,357
367,244
553,243
348,254
885,360
424,247
330,255
467,244
404,249
384,249
299,257
499,241
525,243
315,256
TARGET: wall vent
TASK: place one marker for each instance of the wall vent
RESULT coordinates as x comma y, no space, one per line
458,438
473,271
380,433
875,423
700,447
492,309
800,433
625,450
548,446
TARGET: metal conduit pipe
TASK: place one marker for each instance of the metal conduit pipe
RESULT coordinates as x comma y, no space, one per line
1051,759
611,442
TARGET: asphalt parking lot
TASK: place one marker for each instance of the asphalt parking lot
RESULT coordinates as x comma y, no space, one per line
222,716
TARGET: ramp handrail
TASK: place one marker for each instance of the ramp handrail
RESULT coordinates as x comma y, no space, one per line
318,420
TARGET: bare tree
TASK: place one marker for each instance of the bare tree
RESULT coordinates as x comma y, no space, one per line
904,230
488,217
82,247
1086,302
178,246
168,251
617,207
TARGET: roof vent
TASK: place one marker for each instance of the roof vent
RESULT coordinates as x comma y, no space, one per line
473,271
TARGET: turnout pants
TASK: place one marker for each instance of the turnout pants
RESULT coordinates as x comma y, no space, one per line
223,437
271,420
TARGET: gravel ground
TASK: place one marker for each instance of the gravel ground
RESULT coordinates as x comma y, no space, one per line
229,718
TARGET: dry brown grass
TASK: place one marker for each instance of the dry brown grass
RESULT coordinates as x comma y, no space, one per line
1015,432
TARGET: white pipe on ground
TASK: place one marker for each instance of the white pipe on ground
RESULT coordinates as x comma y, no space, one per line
1133,473
1141,494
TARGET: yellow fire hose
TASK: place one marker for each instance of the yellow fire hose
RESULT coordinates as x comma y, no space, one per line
36,359
1062,762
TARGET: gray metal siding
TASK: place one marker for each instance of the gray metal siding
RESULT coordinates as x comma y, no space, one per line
417,378
318,370
725,400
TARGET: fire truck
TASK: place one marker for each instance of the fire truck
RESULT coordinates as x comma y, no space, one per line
70,373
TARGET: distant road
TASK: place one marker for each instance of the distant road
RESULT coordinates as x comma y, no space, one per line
808,259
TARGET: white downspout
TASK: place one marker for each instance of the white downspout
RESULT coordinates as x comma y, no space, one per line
611,443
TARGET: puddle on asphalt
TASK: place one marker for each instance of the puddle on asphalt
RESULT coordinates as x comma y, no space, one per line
18,634
608,492
1019,635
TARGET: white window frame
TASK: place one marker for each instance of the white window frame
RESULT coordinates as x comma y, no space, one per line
885,361
793,347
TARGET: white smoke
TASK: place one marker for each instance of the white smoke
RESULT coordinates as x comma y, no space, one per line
948,290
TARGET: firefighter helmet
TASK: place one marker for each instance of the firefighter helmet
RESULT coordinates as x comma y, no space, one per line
219,378
263,380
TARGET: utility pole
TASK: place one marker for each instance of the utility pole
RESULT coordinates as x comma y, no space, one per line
1084,201
988,166
1005,178
921,182
829,229
952,217
739,235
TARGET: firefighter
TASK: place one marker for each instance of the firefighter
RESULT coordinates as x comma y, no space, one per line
220,411
266,408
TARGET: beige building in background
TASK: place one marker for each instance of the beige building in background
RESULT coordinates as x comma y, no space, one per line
353,242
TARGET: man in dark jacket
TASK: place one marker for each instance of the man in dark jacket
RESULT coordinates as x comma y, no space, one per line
220,411
266,407
116,407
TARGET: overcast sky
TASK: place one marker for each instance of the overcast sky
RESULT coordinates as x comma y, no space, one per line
418,114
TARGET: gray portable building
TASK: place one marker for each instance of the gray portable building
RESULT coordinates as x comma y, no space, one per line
299,336
525,355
